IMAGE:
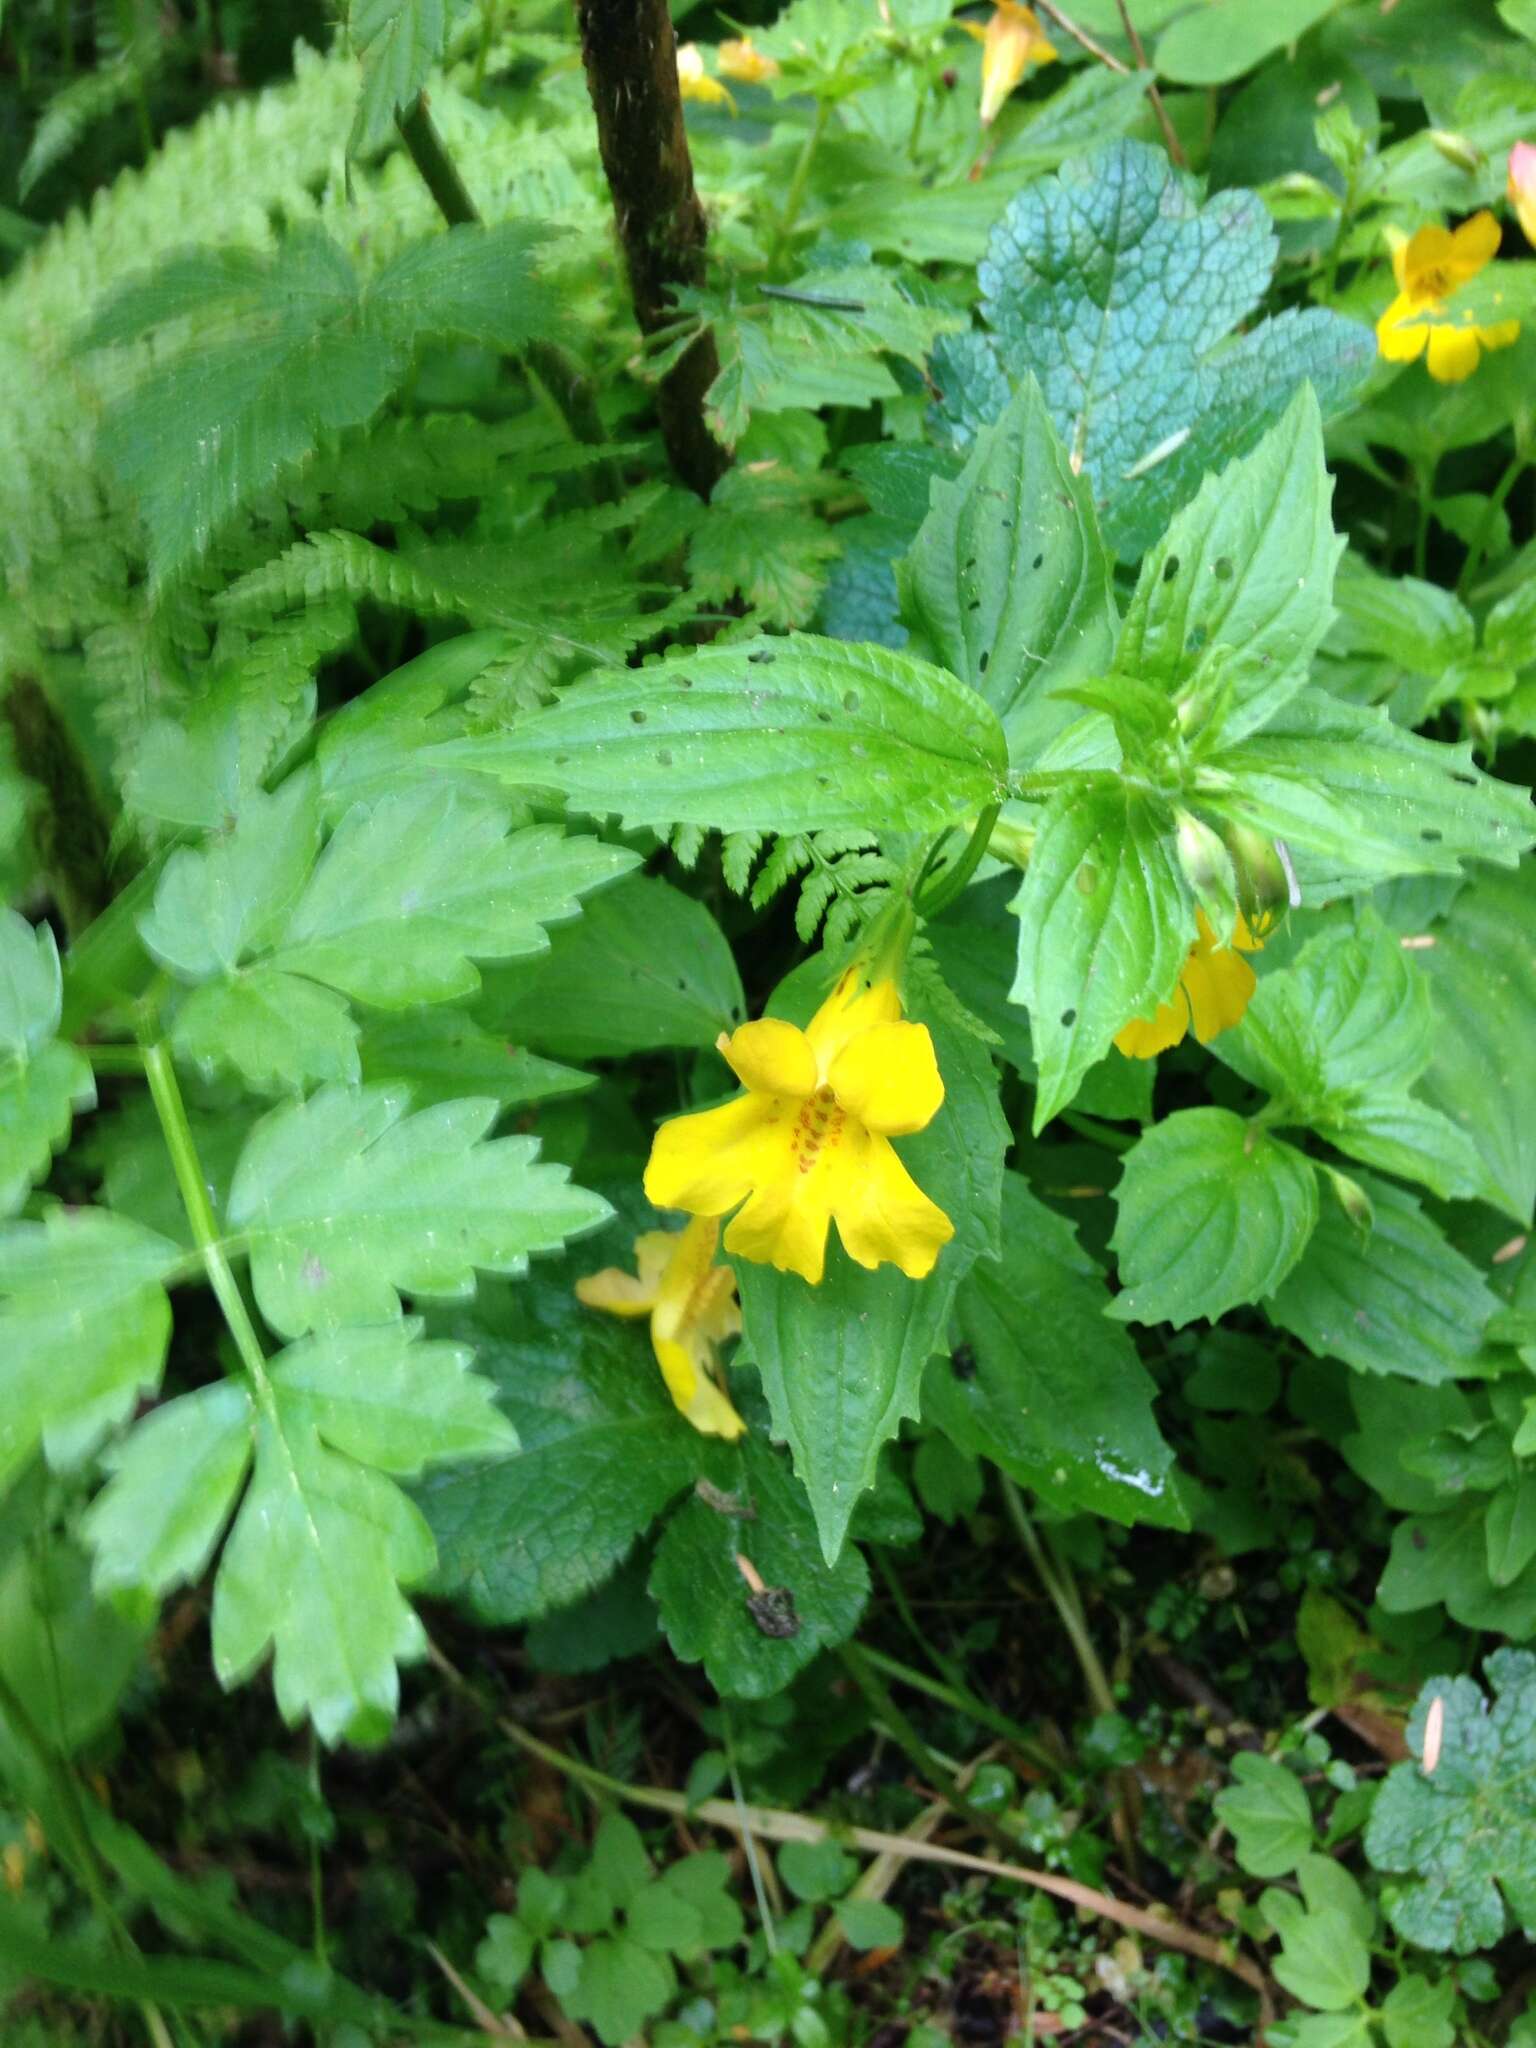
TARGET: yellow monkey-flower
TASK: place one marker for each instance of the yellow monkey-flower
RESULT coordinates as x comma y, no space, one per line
1429,265
1011,42
809,1142
692,1306
1215,983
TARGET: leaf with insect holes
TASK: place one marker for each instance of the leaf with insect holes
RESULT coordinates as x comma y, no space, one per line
1105,924
344,1198
786,735
84,1325
1007,584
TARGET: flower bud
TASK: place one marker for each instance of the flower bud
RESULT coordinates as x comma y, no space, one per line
1208,869
1266,882
1353,1199
1459,150
1522,187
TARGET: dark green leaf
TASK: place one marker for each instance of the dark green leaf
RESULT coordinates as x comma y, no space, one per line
1051,1390
398,41
752,1643
1212,1212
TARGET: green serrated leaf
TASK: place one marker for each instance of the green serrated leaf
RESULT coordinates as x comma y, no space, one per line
342,1199
1112,285
176,1478
1049,1389
412,890
441,1055
218,905
603,1449
84,1324
620,1986
1269,1816
1323,1961
1211,1212
1231,604
1482,974
398,42
752,1644
1105,924
1213,48
1361,801
1338,1039
785,735
279,1033
1398,1300
1007,585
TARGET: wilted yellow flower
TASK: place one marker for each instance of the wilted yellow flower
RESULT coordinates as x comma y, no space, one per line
1215,984
1011,42
1522,187
695,83
1429,266
738,59
810,1140
693,1309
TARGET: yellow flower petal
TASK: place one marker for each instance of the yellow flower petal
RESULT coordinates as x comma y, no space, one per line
1400,332
1011,42
1475,243
785,1225
616,1293
695,83
1522,187
851,1008
1218,982
772,1057
694,1393
881,1212
1426,260
1145,1037
1501,335
1453,354
888,1077
709,1162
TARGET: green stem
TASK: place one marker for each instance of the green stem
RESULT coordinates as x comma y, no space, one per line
856,1663
165,1092
1424,485
796,196
115,1059
1493,506
962,1701
958,874
1055,1575
556,372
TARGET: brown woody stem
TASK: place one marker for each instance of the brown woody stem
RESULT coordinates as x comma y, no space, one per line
630,53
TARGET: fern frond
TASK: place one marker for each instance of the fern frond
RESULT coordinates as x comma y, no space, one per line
738,855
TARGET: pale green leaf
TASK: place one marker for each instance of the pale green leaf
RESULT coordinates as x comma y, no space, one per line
1007,585
1105,924
175,1479
276,1031
84,1324
1269,1816
398,42
31,986
217,905
1482,972
39,1095
410,891
441,1055
1360,801
1219,42
792,734
344,1198
1323,1961
1212,1212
